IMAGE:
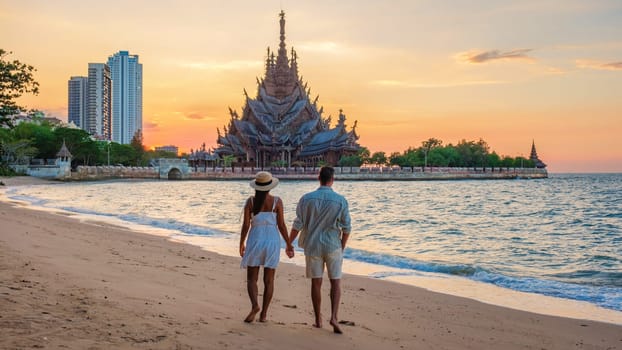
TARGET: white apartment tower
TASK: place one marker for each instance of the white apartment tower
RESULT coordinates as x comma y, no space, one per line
127,96
78,97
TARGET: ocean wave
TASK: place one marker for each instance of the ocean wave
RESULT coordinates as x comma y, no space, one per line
407,263
39,202
160,223
591,277
609,297
606,295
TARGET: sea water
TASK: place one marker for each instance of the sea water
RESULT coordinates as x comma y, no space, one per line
550,245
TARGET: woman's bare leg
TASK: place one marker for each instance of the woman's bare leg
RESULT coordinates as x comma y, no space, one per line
268,282
252,274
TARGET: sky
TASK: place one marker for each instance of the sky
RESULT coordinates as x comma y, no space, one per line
508,72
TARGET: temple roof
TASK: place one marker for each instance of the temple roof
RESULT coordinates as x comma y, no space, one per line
282,114
534,156
332,139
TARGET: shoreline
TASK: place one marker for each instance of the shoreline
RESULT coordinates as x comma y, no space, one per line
450,285
89,284
437,282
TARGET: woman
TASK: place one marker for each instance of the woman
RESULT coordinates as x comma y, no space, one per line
263,221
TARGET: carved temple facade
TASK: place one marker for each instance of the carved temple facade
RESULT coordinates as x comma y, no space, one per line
281,126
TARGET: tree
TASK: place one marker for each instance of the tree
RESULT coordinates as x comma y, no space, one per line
480,152
298,164
137,145
39,136
473,154
16,152
162,154
451,155
522,162
427,146
507,162
351,161
122,154
16,79
227,161
397,159
494,160
379,158
364,154
279,163
437,158
321,163
84,149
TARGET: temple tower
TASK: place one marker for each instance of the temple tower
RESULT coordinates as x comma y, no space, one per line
281,125
534,157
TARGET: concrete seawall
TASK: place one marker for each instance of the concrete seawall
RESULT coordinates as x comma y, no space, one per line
91,173
345,173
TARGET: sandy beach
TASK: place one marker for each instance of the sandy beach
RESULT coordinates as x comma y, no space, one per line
72,284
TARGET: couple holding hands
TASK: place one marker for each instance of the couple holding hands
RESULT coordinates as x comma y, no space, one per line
322,226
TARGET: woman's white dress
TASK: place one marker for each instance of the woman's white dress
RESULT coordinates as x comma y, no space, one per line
263,245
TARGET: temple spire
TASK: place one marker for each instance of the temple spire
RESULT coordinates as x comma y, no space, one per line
281,60
534,156
282,22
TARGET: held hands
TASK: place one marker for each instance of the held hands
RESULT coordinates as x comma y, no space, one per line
289,250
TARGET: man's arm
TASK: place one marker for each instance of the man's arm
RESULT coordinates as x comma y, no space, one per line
346,224
296,227
293,234
344,239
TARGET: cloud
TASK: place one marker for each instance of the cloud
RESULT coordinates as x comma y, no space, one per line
150,125
231,65
589,64
409,84
494,55
197,116
554,71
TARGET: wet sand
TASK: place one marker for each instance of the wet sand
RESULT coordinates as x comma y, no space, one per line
77,285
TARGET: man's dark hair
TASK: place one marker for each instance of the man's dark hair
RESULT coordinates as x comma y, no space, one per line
327,173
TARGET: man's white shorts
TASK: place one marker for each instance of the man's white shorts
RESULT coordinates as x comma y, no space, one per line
333,262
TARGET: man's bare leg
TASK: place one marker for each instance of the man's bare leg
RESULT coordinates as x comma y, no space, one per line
252,274
335,298
268,290
316,298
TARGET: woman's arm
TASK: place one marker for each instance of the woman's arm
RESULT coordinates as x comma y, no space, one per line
281,222
245,225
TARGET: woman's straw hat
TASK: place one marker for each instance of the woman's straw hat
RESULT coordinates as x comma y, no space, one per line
264,181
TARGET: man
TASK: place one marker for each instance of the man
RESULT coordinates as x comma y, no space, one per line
323,221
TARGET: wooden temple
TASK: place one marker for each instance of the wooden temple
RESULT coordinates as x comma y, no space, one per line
534,157
282,126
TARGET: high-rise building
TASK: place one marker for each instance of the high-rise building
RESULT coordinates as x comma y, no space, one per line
98,114
78,97
127,96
